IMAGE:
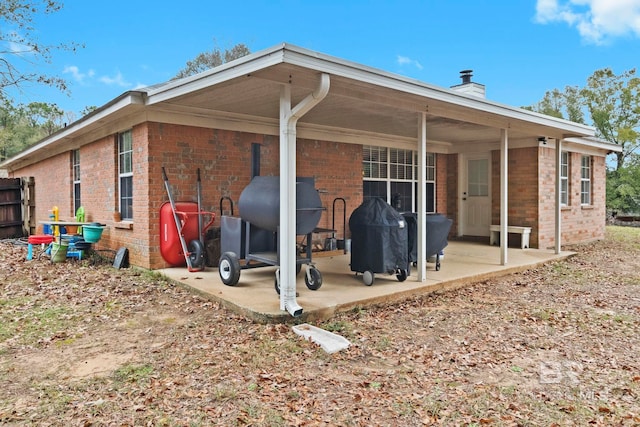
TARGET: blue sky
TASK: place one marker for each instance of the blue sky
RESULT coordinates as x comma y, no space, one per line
517,48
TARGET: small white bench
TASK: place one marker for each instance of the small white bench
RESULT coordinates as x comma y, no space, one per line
525,232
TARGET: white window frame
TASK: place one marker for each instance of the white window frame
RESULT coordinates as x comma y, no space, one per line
375,162
397,165
564,178
125,171
585,181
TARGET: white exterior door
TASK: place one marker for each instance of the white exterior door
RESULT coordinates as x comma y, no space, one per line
476,194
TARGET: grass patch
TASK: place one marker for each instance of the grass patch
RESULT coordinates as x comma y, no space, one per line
623,234
155,276
545,314
133,373
338,327
20,318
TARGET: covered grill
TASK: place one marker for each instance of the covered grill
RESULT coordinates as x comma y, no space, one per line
437,232
379,241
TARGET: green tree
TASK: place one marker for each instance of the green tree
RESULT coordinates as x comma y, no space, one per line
623,186
21,52
213,58
45,116
613,102
561,104
23,126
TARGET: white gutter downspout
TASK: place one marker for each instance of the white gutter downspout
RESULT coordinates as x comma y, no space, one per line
287,231
504,194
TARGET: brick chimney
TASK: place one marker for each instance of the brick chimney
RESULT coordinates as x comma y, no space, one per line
468,87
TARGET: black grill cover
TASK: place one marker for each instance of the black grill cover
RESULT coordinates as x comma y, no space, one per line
378,238
438,227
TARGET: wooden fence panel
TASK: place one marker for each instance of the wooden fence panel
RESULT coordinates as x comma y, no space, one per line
11,218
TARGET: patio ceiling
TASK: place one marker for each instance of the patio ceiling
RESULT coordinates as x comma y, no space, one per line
363,103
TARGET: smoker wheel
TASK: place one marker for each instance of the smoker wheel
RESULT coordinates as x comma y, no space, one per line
229,268
313,280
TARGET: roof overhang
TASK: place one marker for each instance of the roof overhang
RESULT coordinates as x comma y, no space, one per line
364,105
95,125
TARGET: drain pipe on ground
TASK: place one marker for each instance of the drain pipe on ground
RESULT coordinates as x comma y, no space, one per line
287,231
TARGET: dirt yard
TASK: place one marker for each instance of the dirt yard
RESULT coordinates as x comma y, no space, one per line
84,345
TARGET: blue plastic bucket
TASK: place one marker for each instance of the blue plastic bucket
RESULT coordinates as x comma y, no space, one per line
92,233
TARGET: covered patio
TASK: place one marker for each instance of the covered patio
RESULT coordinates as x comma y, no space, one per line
296,93
255,297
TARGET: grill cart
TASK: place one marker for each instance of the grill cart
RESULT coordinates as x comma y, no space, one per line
252,238
378,241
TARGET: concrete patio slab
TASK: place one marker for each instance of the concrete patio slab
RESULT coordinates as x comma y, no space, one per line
255,296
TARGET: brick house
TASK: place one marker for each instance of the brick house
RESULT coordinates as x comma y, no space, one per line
361,132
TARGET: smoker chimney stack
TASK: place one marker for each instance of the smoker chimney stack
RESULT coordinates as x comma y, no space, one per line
469,87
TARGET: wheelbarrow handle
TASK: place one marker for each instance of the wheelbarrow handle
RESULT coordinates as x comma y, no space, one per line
210,223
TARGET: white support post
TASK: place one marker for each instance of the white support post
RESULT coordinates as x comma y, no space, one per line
558,207
504,195
421,209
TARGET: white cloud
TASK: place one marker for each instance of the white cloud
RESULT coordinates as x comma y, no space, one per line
117,80
403,60
75,73
597,21
90,75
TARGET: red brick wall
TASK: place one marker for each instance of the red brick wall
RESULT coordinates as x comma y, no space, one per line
579,223
224,158
522,189
53,187
532,200
451,188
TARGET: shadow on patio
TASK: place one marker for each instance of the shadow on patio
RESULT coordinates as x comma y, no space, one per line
255,296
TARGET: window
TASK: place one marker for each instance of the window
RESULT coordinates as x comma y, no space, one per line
478,182
392,174
564,178
374,161
125,175
75,165
585,181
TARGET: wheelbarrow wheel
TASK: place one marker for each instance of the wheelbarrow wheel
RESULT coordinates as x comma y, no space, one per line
196,253
368,277
229,268
401,275
313,280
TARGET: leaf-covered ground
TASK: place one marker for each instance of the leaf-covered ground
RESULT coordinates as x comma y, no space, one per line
84,345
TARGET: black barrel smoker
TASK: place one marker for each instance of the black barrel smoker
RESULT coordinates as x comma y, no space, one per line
437,232
253,237
379,241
